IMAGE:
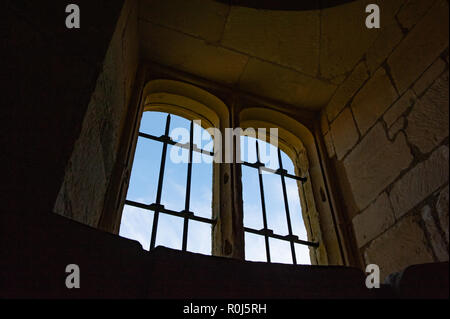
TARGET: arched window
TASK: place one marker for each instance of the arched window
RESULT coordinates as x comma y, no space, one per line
229,208
273,221
170,192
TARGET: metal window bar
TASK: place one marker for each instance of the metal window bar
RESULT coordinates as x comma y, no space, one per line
266,232
263,206
156,207
169,140
286,207
188,187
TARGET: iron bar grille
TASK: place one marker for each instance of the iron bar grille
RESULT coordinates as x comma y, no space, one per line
266,232
156,207
187,215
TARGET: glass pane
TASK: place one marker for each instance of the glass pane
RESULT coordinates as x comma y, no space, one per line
179,129
298,225
137,224
276,213
207,142
255,249
248,149
287,163
268,155
145,171
302,254
199,237
201,190
170,231
153,123
251,197
280,251
175,177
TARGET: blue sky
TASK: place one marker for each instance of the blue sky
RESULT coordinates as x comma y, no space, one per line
137,223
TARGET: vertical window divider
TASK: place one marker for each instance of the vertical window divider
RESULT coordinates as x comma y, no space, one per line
188,187
263,205
160,183
286,206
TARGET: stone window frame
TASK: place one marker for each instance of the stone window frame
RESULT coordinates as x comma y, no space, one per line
191,99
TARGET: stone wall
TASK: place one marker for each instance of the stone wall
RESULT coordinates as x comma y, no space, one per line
386,132
48,75
90,167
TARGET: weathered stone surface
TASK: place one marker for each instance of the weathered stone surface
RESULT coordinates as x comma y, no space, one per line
375,163
410,59
372,100
82,193
436,240
190,54
329,144
402,245
420,182
428,120
289,38
285,85
344,39
373,221
90,167
346,91
412,11
389,37
324,123
204,19
429,76
442,210
344,132
398,108
396,127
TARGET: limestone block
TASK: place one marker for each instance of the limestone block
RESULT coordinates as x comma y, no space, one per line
201,18
285,85
412,11
344,37
329,144
421,47
398,108
288,38
324,123
396,127
373,221
346,91
442,210
375,163
436,240
429,76
402,245
373,100
82,194
420,182
428,120
388,39
190,54
344,132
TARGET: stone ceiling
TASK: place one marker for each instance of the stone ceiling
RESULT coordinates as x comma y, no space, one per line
298,57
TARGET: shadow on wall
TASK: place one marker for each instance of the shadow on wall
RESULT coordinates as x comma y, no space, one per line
287,5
